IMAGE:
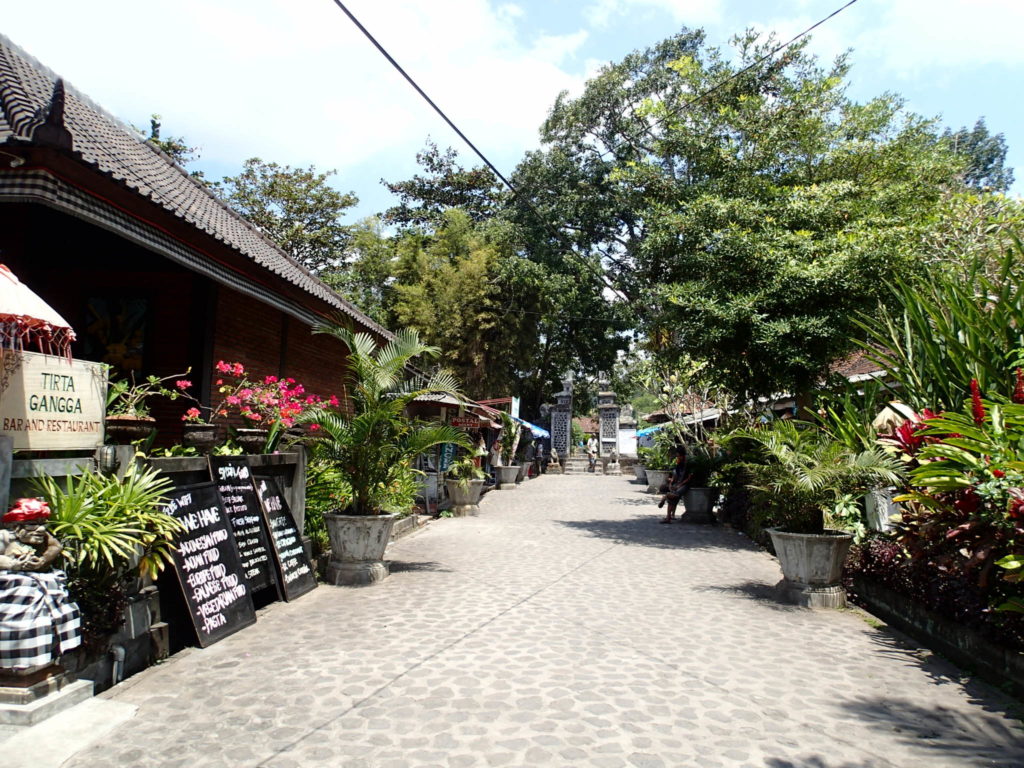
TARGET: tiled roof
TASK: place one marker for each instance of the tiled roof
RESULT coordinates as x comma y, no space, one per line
116,150
855,364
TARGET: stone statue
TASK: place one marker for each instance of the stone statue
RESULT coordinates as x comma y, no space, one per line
38,621
613,467
553,466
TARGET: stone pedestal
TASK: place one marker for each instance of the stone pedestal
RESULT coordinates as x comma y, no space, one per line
812,565
29,697
357,548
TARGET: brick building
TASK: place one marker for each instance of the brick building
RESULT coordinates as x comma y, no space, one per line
155,273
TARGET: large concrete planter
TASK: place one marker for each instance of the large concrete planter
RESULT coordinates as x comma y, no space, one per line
357,548
641,473
465,501
812,565
699,504
656,478
507,477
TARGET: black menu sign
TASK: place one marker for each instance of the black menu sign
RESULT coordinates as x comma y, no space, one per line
207,564
233,477
297,575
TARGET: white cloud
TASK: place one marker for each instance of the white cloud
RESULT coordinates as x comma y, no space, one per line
693,13
916,38
297,83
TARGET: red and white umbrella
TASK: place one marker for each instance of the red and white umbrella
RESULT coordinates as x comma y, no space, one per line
26,321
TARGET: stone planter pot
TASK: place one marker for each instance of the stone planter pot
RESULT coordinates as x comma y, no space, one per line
122,430
251,439
812,565
641,473
465,501
507,477
699,504
202,437
656,478
357,548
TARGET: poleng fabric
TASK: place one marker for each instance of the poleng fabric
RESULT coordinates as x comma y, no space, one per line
38,622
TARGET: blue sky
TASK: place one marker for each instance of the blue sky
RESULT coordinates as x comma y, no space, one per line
294,82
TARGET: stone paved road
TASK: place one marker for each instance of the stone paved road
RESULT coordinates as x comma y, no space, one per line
563,626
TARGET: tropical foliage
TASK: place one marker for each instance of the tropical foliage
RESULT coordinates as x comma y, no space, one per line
805,479
373,445
951,328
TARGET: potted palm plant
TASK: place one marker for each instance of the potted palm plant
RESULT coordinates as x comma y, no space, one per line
804,481
465,483
702,460
374,445
658,463
508,472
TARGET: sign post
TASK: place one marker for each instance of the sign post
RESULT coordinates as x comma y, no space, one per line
53,404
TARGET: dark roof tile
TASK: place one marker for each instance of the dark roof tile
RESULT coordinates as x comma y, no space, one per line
116,150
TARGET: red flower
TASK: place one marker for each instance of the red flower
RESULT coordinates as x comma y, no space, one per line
976,406
314,427
968,502
1016,508
192,414
1018,391
998,473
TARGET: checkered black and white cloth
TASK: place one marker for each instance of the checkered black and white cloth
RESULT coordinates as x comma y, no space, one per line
37,620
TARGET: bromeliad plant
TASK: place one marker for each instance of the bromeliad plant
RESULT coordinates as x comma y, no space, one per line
965,507
375,444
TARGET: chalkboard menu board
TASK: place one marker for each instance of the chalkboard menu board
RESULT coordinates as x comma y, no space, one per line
297,577
233,477
207,565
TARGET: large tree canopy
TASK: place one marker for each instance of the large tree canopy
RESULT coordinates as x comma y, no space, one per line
746,214
295,207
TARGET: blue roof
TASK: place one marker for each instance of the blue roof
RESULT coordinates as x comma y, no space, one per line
534,429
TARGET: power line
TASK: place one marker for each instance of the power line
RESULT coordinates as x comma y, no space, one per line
701,96
529,204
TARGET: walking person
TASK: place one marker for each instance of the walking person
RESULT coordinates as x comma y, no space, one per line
592,454
675,486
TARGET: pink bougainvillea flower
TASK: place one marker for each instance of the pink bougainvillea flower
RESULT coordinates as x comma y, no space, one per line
223,367
314,427
270,379
252,416
183,384
233,399
192,414
1018,390
976,405
238,369
334,401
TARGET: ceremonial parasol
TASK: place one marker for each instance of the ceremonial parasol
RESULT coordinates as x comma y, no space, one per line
26,320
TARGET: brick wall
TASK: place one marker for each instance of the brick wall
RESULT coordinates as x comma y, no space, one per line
269,343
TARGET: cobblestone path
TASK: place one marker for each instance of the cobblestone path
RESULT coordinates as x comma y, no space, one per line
563,626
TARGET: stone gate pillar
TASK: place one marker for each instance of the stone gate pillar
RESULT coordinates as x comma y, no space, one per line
609,411
561,419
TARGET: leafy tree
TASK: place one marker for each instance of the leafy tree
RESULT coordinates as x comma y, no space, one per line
745,214
446,185
539,314
985,156
295,207
175,147
366,276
